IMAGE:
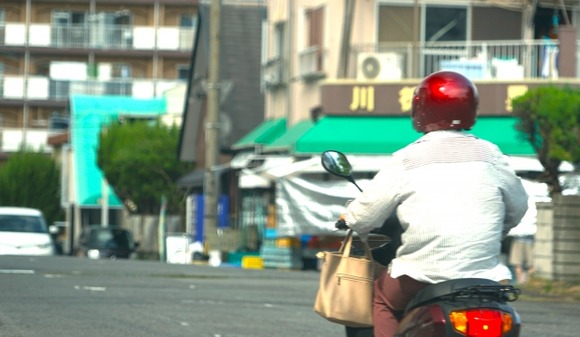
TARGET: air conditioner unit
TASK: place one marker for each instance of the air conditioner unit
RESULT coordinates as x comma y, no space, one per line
379,67
272,74
272,79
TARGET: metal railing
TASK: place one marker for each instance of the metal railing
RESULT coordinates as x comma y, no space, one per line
39,87
97,36
513,59
12,138
311,62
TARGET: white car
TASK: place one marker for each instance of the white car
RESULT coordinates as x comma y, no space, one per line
23,231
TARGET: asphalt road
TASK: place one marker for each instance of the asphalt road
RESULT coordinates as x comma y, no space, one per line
65,296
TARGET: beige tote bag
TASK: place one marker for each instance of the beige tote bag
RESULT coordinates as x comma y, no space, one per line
345,295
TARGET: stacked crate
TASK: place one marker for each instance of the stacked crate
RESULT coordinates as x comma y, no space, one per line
280,252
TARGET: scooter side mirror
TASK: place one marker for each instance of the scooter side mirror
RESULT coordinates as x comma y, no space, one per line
336,163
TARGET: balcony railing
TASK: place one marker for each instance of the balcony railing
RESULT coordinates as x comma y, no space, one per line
98,36
11,139
311,63
479,60
46,88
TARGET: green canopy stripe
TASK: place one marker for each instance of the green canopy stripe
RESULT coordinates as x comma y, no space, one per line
263,134
360,135
287,141
502,132
387,134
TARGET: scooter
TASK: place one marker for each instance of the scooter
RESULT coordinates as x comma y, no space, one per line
471,307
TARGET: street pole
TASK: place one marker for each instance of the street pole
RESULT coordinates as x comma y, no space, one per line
104,202
211,129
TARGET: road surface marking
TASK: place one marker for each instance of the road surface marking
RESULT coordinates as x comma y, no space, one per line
16,271
90,288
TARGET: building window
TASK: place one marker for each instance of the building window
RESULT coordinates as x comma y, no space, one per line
183,72
315,37
69,29
187,26
1,79
188,20
396,23
484,24
121,70
120,83
445,24
1,26
113,29
60,18
279,40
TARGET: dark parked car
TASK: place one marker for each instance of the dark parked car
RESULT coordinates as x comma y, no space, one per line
98,242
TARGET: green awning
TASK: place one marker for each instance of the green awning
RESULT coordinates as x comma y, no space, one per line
387,134
502,132
287,141
357,135
263,134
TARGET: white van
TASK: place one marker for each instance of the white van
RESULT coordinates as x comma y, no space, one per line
23,231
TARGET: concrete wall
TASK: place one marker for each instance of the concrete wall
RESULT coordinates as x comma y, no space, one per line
557,245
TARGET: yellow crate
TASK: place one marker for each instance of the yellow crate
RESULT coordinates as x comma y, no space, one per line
252,262
287,243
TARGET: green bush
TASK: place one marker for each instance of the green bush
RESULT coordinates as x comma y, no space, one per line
139,160
32,179
549,118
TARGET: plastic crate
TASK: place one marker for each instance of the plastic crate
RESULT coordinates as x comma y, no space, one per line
252,262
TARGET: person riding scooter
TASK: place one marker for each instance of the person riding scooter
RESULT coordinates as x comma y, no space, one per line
454,194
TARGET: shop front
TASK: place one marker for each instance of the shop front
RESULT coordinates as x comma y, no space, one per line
303,201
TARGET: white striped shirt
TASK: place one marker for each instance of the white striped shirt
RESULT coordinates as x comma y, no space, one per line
456,197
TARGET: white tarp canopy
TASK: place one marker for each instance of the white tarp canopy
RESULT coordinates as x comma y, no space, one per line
522,163
307,206
361,163
310,206
253,177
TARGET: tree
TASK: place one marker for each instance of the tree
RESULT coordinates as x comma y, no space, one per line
549,119
32,179
139,160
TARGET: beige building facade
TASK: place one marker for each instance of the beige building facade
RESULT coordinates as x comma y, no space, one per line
365,57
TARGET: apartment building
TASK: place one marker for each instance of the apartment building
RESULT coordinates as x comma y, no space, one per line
51,49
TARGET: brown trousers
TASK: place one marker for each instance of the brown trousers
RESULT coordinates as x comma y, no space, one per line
391,297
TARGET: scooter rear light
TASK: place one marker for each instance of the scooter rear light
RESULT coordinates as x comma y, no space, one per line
481,322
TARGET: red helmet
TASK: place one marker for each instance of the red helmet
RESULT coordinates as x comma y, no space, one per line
444,100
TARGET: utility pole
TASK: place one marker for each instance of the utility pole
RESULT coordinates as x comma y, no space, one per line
211,128
416,32
345,40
